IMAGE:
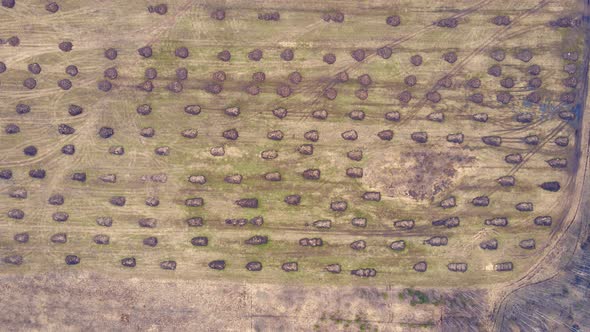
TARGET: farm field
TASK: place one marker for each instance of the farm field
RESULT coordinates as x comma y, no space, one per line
434,144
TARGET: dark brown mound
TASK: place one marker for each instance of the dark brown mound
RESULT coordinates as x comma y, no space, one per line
105,86
513,158
489,244
342,77
272,16
420,267
22,109
561,141
175,87
224,55
72,70
312,135
331,93
543,221
259,76
448,202
269,154
52,7
252,90
192,109
72,260
65,84
8,3
311,174
200,241
450,57
354,172
534,70
359,222
404,97
34,68
257,240
329,58
79,177
501,267
503,97
320,114
68,149
182,74
305,149
295,77
65,46
257,221
524,117
481,201
284,90
524,55
218,14
569,68
374,196
507,82
450,22
410,80
59,238
356,155
287,54
445,82
492,140
247,203
106,132
272,176
474,83
236,222
338,206
501,20
254,266
189,133
476,98
151,241
233,179
532,140
420,137
385,52
111,73
507,181
495,71
416,60
181,52
218,76
437,241
19,193
30,83
570,82
524,206
16,214
436,116
358,54
398,245
162,151
393,20
527,244
13,41
231,134
255,55
118,200
5,174
101,239
2,67
37,173
386,135
195,222
11,129
160,9
151,73
104,221
110,54
362,94
570,56
21,237
536,82
365,80
64,129
498,55
74,110
147,132
364,273
128,262
168,265
350,135
290,267
568,97
557,162
552,186
433,96
358,245
356,115
144,109
392,116
145,51
152,201
56,199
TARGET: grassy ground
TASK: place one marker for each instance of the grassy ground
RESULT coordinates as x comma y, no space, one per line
387,165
